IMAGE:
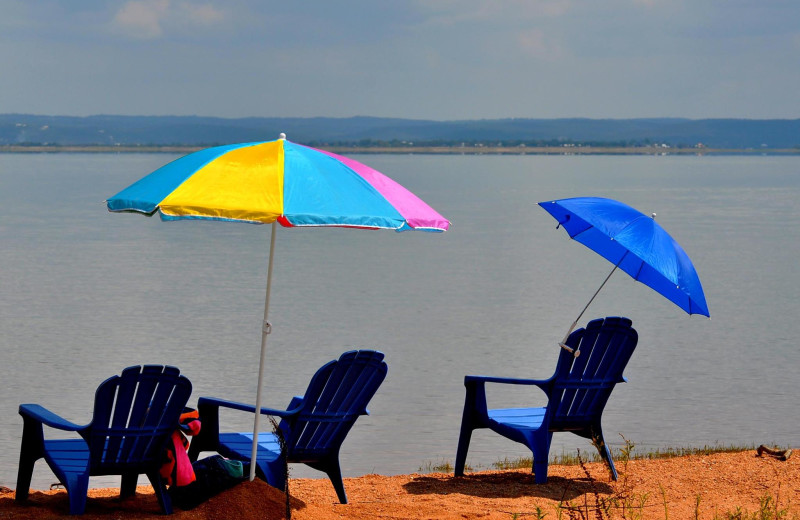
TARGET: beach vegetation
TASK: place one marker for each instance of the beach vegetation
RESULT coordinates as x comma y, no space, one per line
622,453
626,504
570,459
442,466
769,509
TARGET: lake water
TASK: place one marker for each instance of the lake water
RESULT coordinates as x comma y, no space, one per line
85,293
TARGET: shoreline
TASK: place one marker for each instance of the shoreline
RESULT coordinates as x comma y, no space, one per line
427,150
705,487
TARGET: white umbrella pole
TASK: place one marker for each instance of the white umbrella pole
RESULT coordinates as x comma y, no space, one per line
563,343
266,328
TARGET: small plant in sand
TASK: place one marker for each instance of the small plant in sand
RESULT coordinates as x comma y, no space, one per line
664,501
697,500
629,504
768,510
539,514
599,510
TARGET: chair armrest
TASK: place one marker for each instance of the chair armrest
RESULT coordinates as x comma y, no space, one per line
541,383
44,416
224,403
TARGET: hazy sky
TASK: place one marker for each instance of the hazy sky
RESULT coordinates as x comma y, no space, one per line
421,59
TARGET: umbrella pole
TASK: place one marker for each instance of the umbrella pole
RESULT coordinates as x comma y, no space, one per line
563,343
266,328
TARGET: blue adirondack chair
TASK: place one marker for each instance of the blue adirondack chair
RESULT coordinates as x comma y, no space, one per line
577,394
313,427
134,415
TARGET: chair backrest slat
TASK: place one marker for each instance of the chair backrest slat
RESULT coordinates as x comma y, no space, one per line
582,385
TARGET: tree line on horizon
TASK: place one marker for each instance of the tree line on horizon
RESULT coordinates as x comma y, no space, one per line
372,132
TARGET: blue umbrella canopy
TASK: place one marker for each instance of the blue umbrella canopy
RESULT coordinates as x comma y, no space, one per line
635,243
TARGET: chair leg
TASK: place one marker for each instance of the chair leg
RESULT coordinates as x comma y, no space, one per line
472,418
600,443
330,466
163,497
463,447
540,446
128,486
24,475
274,473
335,474
30,451
77,491
540,471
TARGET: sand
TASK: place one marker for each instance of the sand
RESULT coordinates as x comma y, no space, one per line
703,487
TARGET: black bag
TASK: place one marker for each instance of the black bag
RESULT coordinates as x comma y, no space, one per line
213,475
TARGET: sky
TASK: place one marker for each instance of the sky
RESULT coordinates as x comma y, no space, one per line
414,59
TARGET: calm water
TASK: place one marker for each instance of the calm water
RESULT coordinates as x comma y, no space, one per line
84,293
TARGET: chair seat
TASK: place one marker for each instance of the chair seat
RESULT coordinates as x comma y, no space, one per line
518,418
70,455
240,446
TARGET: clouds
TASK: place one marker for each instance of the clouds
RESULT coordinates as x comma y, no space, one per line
431,59
143,18
146,19
535,43
452,12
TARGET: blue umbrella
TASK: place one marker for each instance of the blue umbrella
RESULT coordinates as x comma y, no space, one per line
633,242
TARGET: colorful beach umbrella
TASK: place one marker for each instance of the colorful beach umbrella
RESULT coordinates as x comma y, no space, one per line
634,243
276,182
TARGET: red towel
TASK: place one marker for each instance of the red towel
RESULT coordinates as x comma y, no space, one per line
177,468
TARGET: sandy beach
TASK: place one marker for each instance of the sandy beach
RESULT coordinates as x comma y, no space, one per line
705,487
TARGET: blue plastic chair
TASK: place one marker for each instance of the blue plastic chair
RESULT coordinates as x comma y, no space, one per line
134,415
313,427
577,394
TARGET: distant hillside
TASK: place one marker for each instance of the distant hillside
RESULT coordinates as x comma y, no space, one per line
23,129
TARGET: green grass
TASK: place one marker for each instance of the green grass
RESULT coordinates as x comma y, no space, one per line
569,459
443,466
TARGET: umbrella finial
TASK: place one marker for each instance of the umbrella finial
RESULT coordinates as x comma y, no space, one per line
282,136
653,216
